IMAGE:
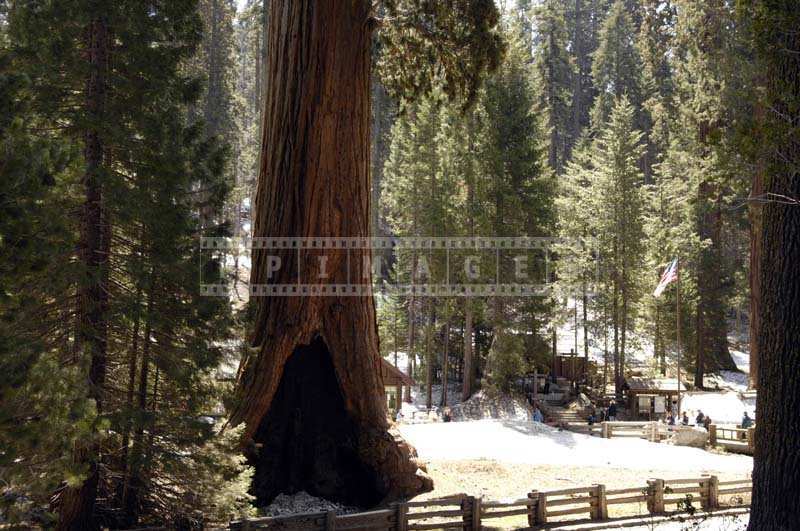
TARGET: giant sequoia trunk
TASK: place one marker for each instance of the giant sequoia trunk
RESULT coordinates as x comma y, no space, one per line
776,470
310,390
712,353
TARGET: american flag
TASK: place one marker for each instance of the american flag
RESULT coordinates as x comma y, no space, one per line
670,274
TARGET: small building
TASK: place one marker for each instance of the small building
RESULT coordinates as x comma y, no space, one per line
393,382
652,397
573,367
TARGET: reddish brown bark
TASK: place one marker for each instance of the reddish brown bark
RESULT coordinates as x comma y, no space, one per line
314,181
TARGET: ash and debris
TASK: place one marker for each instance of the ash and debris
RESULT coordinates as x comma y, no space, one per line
303,502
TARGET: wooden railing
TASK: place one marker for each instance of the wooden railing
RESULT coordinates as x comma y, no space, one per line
573,504
732,437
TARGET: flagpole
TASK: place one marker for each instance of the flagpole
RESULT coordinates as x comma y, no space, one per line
678,324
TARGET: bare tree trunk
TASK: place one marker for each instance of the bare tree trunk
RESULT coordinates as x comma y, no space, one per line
756,232
76,504
310,391
468,370
411,325
131,502
585,336
445,356
430,330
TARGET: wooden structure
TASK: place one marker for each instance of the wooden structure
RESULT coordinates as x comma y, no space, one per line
393,382
571,367
733,438
576,504
652,397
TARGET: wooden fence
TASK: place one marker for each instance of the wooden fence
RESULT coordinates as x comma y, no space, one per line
540,507
651,431
732,438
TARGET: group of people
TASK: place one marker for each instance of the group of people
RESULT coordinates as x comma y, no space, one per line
606,414
704,420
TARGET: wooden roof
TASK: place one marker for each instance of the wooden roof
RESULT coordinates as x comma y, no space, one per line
654,384
394,376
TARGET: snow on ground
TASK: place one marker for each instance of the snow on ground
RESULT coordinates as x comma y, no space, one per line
723,408
417,410
715,523
523,442
741,359
728,380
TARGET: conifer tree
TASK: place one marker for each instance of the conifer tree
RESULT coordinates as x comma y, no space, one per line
554,76
616,205
136,341
617,67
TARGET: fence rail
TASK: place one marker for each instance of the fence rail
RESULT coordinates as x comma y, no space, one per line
468,512
732,437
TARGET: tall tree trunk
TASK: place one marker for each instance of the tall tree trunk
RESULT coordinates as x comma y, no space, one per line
445,356
310,391
76,504
431,328
776,470
756,233
133,357
615,323
131,502
585,336
411,326
468,370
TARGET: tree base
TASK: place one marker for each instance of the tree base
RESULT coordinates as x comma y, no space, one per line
308,441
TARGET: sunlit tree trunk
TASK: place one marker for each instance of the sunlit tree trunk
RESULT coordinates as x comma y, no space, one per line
310,392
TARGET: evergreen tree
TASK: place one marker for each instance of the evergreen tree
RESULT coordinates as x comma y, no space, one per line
137,342
554,77
616,206
617,67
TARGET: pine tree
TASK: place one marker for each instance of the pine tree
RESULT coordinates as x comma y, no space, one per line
616,205
617,67
704,81
554,76
137,342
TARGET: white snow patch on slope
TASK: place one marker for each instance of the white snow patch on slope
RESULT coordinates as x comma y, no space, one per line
724,408
521,442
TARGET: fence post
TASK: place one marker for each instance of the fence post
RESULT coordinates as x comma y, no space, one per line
655,496
532,495
601,508
712,434
476,514
541,508
712,500
605,433
402,512
751,439
330,520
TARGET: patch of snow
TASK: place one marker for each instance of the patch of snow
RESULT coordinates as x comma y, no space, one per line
741,359
728,380
527,442
713,523
724,408
417,411
482,406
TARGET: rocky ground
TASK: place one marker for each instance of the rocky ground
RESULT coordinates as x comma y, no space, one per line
303,502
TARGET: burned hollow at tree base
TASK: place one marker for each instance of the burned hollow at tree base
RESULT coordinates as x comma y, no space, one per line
307,441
